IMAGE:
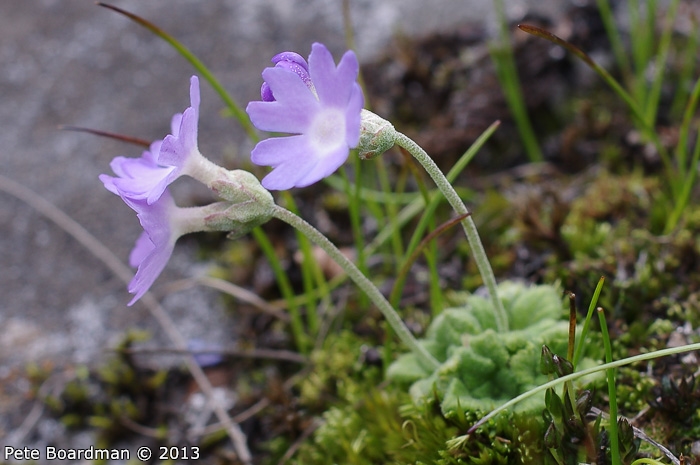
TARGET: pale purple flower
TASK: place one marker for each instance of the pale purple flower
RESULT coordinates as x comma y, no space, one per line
146,178
142,184
322,112
155,244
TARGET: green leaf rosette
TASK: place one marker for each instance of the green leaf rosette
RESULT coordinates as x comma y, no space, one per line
481,368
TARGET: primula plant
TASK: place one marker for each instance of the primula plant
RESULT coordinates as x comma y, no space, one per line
494,349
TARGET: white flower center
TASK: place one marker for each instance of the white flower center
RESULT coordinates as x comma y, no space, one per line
327,131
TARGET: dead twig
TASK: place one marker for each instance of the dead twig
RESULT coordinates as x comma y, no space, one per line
231,289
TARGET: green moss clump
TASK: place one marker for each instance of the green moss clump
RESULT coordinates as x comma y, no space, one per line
339,372
613,229
386,427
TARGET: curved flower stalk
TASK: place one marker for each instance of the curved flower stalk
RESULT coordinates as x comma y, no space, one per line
319,105
468,225
379,136
419,351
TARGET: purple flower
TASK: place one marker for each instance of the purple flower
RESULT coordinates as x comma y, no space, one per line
146,178
142,183
155,244
321,108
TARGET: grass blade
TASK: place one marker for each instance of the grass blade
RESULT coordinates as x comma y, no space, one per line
637,111
612,395
233,107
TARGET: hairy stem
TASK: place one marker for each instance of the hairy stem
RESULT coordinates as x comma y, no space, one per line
482,261
361,280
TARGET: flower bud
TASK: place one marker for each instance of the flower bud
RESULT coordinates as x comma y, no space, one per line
377,135
249,203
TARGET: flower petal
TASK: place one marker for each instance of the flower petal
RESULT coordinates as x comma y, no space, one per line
139,178
295,63
279,117
292,58
276,150
292,158
332,84
324,115
151,258
286,175
178,147
149,270
287,88
331,162
353,116
175,122
143,247
194,94
108,182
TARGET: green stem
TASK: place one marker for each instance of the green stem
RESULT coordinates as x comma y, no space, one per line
578,354
354,206
581,374
687,173
614,444
482,261
361,280
615,40
682,147
684,195
390,209
310,270
653,93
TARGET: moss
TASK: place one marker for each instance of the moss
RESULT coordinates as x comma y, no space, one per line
386,427
611,228
633,390
339,371
113,394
